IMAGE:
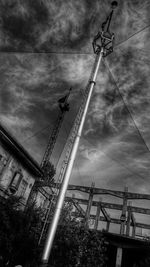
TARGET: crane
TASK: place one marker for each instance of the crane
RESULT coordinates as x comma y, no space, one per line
46,179
63,108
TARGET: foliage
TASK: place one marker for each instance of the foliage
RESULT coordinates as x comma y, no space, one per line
143,263
75,245
18,236
49,171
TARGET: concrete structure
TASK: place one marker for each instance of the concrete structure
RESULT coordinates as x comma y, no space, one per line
127,244
128,247
18,170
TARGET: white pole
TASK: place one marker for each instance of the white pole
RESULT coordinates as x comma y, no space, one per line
104,49
54,223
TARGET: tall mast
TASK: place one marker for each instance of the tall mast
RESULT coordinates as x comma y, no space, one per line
102,45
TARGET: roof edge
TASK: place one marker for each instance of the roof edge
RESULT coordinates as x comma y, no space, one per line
18,149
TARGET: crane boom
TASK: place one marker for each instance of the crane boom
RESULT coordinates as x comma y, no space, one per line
64,107
46,179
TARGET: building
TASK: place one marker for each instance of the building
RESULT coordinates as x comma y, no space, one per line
18,170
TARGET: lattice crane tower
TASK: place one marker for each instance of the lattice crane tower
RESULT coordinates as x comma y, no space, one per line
46,179
63,108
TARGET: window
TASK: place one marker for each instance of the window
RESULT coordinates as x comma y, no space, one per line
15,182
3,160
23,188
1,163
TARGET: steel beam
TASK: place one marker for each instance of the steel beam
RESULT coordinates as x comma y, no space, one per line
78,207
124,211
101,191
112,206
128,221
89,205
133,225
115,221
97,217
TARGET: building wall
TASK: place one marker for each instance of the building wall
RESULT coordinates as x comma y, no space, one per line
25,185
4,156
40,200
14,177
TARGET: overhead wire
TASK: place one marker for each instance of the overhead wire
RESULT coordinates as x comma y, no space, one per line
55,191
67,138
119,163
62,151
136,33
70,52
80,177
129,37
47,52
76,158
115,160
77,52
39,132
129,112
36,133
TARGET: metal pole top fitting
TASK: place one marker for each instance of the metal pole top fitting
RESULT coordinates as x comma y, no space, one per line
104,38
114,4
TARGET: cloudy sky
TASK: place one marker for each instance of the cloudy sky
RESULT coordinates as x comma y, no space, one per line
46,48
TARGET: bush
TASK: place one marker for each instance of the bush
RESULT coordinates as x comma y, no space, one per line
18,237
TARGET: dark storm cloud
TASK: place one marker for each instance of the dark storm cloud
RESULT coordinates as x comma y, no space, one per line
31,85
116,115
112,151
19,20
43,25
